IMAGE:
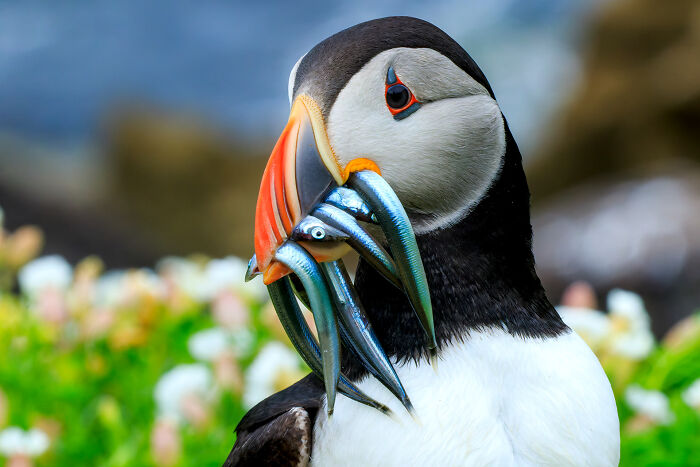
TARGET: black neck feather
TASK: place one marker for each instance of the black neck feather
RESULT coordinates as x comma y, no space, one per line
481,274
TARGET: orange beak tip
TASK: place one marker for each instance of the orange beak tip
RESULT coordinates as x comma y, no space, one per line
274,272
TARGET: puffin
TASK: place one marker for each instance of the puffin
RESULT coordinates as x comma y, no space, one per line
444,349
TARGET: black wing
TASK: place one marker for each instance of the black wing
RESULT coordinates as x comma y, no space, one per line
278,431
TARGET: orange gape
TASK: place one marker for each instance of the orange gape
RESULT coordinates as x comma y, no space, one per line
359,164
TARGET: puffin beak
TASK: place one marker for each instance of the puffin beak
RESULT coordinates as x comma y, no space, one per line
300,172
309,214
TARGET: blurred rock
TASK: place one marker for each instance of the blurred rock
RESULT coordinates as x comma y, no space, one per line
187,185
72,231
166,183
616,187
638,103
641,234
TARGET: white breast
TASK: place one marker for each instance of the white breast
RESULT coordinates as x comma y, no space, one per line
496,400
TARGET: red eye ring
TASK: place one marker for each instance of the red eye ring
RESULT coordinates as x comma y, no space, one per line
394,86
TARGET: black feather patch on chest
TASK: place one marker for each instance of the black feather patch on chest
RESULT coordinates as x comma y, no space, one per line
481,274
278,431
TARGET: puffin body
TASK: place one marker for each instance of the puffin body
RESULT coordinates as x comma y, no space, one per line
496,400
513,384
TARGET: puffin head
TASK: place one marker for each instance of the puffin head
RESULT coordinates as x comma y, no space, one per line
404,98
393,123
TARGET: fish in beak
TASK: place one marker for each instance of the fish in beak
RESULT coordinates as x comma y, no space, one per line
310,212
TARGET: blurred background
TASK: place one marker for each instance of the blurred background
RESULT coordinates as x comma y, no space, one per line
131,131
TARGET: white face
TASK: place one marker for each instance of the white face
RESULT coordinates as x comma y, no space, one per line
441,159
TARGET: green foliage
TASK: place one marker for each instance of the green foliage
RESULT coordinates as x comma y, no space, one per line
133,367
149,367
100,398
672,368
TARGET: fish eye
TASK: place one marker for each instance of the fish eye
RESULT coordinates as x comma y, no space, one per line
318,233
397,96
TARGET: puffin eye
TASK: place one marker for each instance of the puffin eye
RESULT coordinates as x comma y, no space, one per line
397,96
399,99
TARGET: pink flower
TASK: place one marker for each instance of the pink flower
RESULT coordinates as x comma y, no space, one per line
580,294
97,323
174,390
4,409
51,306
19,460
195,410
229,310
227,372
166,446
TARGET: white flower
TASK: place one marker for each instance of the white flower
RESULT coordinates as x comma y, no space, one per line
628,305
243,341
653,404
625,330
256,289
635,345
631,326
592,325
145,281
204,283
109,288
691,396
45,272
187,276
175,385
226,273
117,287
229,274
208,344
274,362
16,441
